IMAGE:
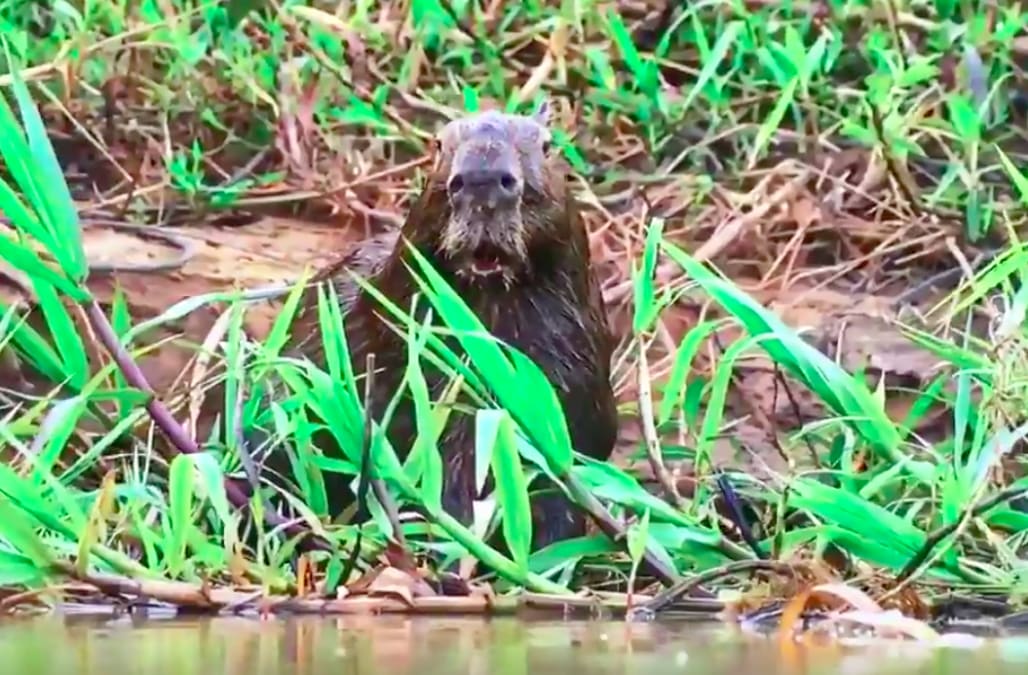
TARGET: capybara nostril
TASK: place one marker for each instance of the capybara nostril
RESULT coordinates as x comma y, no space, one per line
508,182
455,185
484,184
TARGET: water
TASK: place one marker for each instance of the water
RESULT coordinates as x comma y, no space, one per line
394,645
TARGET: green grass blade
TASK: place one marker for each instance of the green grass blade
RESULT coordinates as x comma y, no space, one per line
55,196
845,394
70,347
180,514
512,491
675,389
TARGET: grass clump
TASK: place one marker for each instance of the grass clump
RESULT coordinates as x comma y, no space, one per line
734,160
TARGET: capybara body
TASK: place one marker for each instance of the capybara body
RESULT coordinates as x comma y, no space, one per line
496,219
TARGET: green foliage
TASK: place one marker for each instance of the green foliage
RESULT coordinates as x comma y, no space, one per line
754,76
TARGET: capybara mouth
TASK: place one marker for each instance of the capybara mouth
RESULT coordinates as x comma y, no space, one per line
486,261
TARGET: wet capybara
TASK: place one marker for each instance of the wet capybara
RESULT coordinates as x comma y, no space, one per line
497,220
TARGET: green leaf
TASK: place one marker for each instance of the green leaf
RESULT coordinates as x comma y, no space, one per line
857,515
570,551
608,482
471,102
56,429
487,428
25,260
55,198
646,307
845,394
774,119
86,461
19,532
212,480
675,388
1018,178
430,422
19,570
642,75
180,494
234,376
61,326
718,398
183,308
638,534
278,336
512,492
713,61
519,384
964,118
30,344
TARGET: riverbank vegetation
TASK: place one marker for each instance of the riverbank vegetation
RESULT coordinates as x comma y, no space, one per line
807,221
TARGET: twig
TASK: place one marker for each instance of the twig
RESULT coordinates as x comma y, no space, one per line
732,230
941,533
197,597
794,404
679,590
649,430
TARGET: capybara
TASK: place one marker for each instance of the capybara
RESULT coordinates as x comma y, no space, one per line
496,218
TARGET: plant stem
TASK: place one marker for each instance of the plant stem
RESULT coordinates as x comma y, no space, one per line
649,429
176,433
609,526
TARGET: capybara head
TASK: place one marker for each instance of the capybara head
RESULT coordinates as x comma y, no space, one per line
497,186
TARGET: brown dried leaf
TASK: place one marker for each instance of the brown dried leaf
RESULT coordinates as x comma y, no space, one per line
392,582
856,331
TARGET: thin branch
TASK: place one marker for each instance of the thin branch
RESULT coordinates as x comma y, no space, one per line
653,448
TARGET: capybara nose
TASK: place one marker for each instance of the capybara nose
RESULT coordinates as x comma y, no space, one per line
489,185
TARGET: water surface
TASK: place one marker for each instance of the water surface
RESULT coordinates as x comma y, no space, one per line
396,645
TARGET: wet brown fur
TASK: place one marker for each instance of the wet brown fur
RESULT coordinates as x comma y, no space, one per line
552,311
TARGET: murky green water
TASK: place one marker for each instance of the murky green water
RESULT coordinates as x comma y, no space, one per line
372,645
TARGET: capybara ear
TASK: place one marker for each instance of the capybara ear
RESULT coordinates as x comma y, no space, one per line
489,104
542,113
